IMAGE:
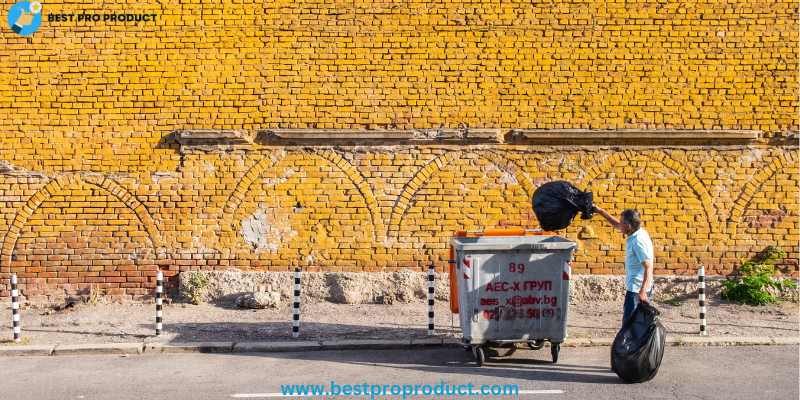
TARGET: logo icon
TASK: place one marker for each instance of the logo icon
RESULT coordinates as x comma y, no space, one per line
24,17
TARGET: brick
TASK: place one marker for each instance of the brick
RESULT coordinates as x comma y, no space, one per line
107,198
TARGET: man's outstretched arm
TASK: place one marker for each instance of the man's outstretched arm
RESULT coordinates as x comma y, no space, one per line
611,220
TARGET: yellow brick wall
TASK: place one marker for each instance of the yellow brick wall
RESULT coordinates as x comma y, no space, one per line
82,238
89,107
383,208
101,96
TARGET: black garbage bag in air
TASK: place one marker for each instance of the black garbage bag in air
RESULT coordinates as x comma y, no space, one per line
639,346
556,204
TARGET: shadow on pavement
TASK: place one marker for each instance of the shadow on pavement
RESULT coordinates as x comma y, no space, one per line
95,333
524,364
281,331
443,361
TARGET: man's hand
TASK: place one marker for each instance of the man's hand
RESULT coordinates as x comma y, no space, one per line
643,295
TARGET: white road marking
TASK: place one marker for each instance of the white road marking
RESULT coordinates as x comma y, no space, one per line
270,395
544,391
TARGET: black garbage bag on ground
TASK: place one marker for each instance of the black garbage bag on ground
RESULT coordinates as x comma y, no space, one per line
556,204
639,346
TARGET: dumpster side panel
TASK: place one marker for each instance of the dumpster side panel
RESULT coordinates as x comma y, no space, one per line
465,271
521,295
513,291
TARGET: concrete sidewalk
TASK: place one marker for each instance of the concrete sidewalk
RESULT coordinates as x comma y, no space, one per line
153,347
186,323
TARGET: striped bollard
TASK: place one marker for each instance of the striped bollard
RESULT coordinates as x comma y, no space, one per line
296,305
159,291
431,278
701,289
15,309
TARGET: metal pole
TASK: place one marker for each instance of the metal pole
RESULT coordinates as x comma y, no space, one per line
15,310
159,291
296,305
701,290
431,280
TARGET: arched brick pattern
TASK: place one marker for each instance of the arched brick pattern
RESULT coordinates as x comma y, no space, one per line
413,185
52,187
770,217
82,233
360,183
511,167
754,185
238,195
403,201
685,174
303,210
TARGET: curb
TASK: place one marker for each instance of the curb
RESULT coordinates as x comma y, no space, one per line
188,347
356,344
103,348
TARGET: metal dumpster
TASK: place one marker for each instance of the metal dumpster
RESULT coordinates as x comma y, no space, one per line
511,289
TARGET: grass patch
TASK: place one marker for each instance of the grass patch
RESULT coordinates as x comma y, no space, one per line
195,287
754,278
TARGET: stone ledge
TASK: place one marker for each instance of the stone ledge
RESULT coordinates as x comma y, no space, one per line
377,136
210,138
632,136
216,140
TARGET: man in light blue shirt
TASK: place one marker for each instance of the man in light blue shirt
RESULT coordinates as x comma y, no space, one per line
639,258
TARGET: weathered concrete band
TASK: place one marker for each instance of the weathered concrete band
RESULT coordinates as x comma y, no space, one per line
408,286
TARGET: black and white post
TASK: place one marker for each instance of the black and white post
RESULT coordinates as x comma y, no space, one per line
15,310
701,290
296,305
431,284
159,292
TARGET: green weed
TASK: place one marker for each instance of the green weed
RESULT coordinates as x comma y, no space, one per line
754,278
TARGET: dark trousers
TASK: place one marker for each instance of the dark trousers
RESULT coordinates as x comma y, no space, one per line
631,301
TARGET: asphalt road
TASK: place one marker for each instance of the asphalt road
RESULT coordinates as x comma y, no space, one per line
768,372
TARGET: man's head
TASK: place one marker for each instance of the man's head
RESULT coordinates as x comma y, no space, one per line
631,221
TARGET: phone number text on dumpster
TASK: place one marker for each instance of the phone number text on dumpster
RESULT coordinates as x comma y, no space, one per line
508,313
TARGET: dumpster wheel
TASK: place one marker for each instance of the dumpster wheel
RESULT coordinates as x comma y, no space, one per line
554,349
536,344
480,355
510,349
